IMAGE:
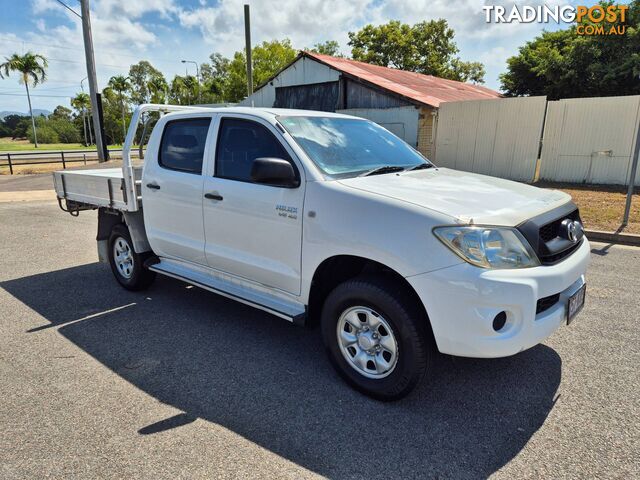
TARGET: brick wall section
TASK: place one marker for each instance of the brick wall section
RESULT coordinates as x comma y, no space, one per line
425,132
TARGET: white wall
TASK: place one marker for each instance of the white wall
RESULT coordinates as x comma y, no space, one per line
498,137
590,140
301,72
401,121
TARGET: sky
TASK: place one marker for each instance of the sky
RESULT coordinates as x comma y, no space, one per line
168,31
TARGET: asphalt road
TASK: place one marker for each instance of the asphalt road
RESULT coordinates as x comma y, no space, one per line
177,382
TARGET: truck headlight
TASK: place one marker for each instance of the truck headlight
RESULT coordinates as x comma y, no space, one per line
489,247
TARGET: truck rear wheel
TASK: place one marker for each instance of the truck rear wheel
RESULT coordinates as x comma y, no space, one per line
376,337
127,265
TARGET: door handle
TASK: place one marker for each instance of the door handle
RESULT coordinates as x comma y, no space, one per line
153,186
213,196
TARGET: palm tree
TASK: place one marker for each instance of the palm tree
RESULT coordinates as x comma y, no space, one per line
32,67
158,88
82,102
191,85
121,84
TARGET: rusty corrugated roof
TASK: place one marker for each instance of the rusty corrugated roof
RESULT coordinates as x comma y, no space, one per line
425,89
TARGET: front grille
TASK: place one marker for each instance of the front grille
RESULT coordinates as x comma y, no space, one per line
552,230
546,303
545,235
549,231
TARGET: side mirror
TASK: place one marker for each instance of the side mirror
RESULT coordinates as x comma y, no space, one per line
275,172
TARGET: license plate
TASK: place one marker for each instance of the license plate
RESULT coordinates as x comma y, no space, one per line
575,304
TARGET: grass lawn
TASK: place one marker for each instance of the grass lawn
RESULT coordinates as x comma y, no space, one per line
602,206
20,145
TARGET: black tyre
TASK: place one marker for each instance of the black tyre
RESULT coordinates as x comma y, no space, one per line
127,265
377,338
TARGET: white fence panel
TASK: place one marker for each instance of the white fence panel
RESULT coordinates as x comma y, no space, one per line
498,137
590,140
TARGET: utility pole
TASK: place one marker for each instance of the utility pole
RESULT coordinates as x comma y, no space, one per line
91,74
84,116
632,179
247,39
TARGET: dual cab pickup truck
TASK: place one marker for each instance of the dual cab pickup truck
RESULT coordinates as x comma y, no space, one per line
321,217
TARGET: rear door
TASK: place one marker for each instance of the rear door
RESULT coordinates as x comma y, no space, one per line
252,231
172,185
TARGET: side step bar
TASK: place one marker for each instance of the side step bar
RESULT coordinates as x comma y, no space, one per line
293,312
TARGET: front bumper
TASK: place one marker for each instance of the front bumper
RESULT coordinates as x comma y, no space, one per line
463,300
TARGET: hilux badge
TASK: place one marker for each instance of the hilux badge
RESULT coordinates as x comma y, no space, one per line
287,211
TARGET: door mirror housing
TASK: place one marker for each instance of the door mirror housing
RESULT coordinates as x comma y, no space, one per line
276,172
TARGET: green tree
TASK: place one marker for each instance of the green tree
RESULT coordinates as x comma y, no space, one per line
330,47
47,133
140,75
22,128
112,116
82,103
473,72
158,88
183,89
121,85
426,47
268,59
564,64
214,76
55,128
62,113
33,69
4,129
11,123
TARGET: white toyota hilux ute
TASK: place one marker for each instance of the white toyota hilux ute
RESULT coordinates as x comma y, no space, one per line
321,217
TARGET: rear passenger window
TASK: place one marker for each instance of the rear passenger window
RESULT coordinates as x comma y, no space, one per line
240,142
183,142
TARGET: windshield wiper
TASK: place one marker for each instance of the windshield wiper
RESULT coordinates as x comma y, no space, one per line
420,166
383,169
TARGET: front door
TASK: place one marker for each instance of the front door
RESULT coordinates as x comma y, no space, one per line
252,231
172,190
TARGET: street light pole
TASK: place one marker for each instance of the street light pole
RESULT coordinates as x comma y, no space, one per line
197,76
84,116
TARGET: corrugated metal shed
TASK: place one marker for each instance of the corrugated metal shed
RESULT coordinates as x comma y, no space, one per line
362,96
425,89
412,88
300,72
311,96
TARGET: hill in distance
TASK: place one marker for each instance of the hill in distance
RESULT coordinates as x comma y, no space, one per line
36,112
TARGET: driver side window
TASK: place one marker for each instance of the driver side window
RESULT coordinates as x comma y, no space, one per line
239,143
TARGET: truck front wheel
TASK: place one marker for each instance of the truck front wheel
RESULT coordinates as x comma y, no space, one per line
127,265
376,337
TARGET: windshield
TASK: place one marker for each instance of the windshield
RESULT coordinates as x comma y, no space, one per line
348,147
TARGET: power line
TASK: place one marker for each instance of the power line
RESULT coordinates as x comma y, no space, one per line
44,90
24,95
49,59
50,83
104,50
69,8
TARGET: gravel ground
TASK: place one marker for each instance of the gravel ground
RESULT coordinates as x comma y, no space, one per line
177,382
